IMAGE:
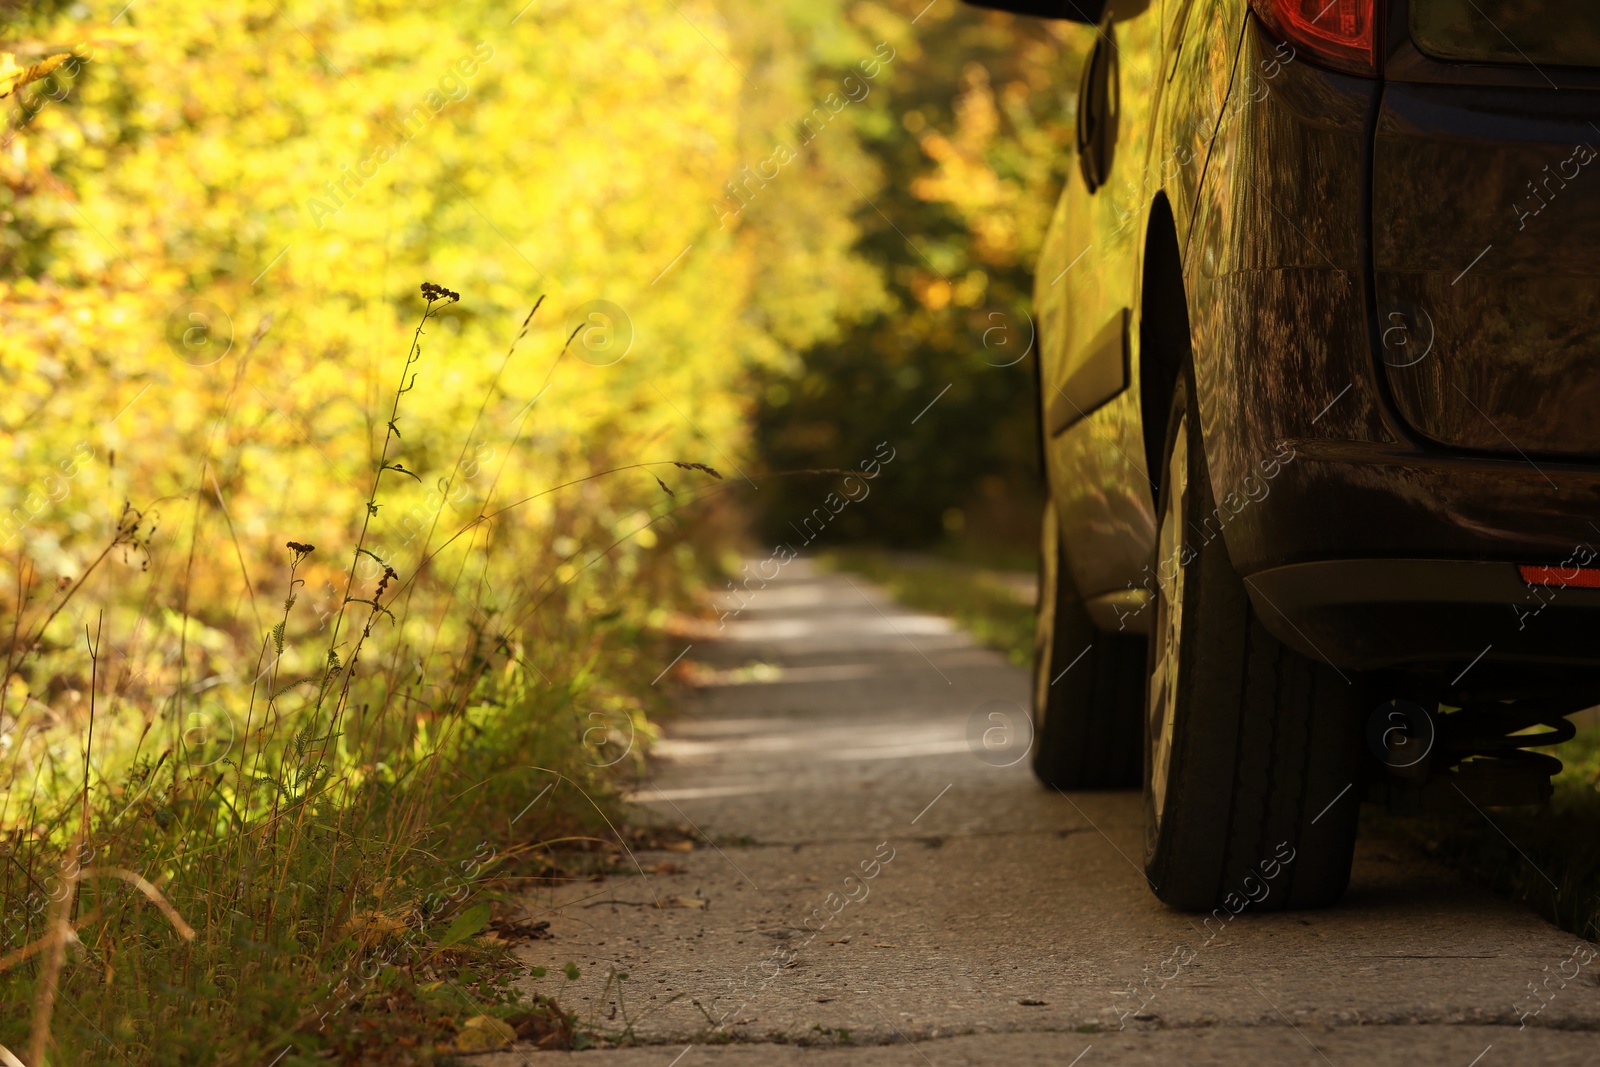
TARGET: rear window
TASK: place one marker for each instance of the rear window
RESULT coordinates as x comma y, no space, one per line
1561,33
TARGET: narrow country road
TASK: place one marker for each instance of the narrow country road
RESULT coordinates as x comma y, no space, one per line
887,885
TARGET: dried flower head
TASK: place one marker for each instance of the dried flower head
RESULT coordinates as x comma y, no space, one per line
698,467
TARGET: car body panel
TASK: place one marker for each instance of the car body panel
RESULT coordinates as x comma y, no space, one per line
1486,222
1536,32
1275,280
1203,47
1099,375
1271,166
1099,472
1084,296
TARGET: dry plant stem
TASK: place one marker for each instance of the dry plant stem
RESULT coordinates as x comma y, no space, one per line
713,490
16,657
243,836
710,491
630,535
401,389
342,702
138,881
272,683
146,608
183,644
426,556
146,887
22,570
44,998
348,668
479,520
188,570
238,549
495,484
33,948
295,581
88,747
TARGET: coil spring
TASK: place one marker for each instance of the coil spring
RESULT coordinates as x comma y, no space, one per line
1492,729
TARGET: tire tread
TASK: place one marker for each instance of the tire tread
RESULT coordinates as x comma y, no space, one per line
1275,739
1090,733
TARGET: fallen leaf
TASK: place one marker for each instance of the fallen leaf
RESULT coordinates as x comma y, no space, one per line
13,77
678,846
845,940
376,924
666,867
546,1026
684,902
484,1033
468,924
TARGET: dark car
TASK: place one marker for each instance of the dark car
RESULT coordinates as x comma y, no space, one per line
1319,322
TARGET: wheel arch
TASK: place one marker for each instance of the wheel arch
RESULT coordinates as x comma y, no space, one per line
1163,330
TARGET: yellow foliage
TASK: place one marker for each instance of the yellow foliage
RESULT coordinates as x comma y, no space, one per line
216,236
13,77
216,216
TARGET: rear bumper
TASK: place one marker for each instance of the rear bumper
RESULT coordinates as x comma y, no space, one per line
1366,614
1362,543
1373,556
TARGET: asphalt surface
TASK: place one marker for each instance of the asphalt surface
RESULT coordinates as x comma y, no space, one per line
887,884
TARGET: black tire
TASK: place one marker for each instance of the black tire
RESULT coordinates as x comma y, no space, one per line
1264,766
1088,686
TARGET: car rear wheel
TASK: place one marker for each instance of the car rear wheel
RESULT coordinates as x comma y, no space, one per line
1252,751
1088,685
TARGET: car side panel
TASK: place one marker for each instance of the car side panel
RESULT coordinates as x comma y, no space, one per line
1085,290
1202,44
1276,273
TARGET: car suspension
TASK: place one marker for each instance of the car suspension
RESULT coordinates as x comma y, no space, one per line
1474,747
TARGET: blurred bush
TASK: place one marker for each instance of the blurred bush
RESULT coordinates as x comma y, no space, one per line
214,217
971,134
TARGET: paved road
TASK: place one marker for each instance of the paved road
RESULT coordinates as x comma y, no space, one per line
1001,923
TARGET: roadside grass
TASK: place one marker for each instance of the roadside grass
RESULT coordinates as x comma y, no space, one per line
1548,859
241,833
993,603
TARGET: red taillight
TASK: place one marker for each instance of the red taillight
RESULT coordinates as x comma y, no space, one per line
1577,577
1342,34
